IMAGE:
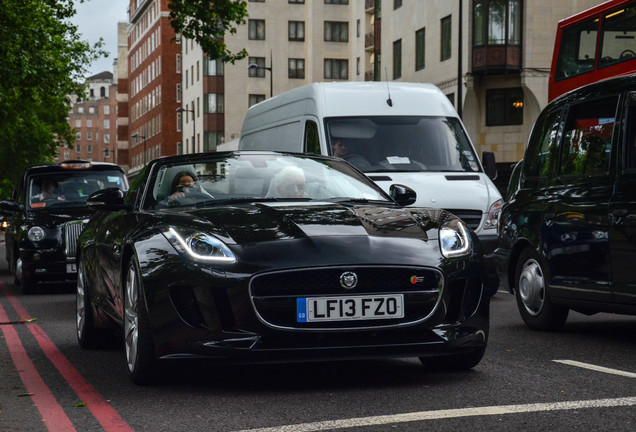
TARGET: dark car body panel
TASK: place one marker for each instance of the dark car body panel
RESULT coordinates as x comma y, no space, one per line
288,250
582,226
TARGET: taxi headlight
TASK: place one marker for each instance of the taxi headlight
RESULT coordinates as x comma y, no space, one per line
200,247
454,240
35,234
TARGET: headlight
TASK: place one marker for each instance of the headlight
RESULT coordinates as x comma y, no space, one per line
454,240
35,234
200,247
492,218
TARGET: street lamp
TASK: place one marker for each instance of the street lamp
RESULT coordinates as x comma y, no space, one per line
194,127
136,137
271,83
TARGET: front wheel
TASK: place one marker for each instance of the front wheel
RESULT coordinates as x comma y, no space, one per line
88,335
533,296
23,279
140,353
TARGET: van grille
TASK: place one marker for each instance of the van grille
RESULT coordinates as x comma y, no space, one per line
72,230
472,218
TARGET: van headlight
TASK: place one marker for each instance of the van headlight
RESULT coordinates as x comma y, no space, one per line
492,218
35,234
454,240
200,246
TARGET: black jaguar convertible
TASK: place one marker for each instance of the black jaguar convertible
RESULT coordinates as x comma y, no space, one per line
260,256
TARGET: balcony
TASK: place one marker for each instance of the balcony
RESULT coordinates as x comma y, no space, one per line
369,41
369,5
496,59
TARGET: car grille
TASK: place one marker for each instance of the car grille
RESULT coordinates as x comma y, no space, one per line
72,230
274,295
472,218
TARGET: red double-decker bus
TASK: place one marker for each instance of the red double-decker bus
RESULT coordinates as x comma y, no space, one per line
592,45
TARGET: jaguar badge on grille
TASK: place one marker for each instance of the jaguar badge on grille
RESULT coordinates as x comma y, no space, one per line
348,280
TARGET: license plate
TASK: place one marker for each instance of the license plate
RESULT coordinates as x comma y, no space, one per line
349,308
71,268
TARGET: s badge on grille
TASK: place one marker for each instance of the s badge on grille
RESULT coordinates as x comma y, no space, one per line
348,280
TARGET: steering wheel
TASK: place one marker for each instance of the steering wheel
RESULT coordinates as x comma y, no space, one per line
627,54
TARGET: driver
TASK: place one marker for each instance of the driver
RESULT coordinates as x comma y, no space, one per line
184,185
48,191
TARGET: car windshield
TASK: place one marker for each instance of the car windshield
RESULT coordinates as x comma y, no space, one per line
69,189
239,177
392,143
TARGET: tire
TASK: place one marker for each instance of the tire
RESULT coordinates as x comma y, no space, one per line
456,362
88,335
141,361
533,294
26,282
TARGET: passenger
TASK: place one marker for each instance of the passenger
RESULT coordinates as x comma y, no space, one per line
184,185
288,183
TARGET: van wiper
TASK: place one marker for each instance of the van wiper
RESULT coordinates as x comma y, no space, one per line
233,200
356,200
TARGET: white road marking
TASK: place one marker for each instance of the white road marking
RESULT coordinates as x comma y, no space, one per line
449,413
597,368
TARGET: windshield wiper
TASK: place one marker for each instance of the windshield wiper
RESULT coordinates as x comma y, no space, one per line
235,200
356,200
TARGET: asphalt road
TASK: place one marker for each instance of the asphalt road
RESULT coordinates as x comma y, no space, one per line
582,378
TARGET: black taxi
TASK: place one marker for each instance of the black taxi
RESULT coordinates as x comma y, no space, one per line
46,214
567,235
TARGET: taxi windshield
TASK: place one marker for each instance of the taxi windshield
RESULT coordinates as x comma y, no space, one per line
69,189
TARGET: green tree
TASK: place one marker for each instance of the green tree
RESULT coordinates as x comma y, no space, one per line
43,62
207,22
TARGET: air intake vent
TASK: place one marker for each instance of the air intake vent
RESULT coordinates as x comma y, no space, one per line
472,218
380,178
72,231
461,177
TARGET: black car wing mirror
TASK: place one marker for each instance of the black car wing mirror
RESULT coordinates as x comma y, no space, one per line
403,195
111,199
490,166
8,207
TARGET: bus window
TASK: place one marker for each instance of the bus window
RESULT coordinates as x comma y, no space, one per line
619,36
577,50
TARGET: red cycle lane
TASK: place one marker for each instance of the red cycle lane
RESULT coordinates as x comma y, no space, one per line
52,413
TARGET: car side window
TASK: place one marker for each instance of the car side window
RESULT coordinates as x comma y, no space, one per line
630,135
542,145
312,142
587,138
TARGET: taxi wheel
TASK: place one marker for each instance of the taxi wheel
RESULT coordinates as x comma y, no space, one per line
533,294
455,362
141,361
21,278
88,335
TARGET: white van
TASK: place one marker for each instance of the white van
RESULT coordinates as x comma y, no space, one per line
404,133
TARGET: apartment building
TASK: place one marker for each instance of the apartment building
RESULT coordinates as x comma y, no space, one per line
490,57
153,63
93,120
120,66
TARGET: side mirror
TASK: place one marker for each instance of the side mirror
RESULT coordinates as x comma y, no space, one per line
8,207
490,167
403,195
111,199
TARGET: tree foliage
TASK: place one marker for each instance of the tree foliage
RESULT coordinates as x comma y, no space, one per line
207,22
43,62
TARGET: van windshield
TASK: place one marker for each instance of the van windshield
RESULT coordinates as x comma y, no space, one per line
390,143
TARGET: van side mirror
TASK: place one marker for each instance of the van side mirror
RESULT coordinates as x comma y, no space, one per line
111,199
8,207
490,167
403,195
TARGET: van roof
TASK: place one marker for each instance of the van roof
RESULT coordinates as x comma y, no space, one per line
343,99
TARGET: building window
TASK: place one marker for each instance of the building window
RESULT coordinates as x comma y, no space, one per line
106,153
259,71
343,2
451,98
89,148
256,29
106,138
78,136
357,65
91,110
397,59
336,69
296,68
336,31
256,1
358,28
420,43
89,136
255,98
496,22
102,92
211,140
106,124
504,107
397,4
78,148
296,30
80,110
212,67
447,38
213,103
178,63
107,109
78,123
178,92
89,123
179,121
297,1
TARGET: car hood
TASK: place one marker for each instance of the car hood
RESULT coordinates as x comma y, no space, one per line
58,216
260,222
